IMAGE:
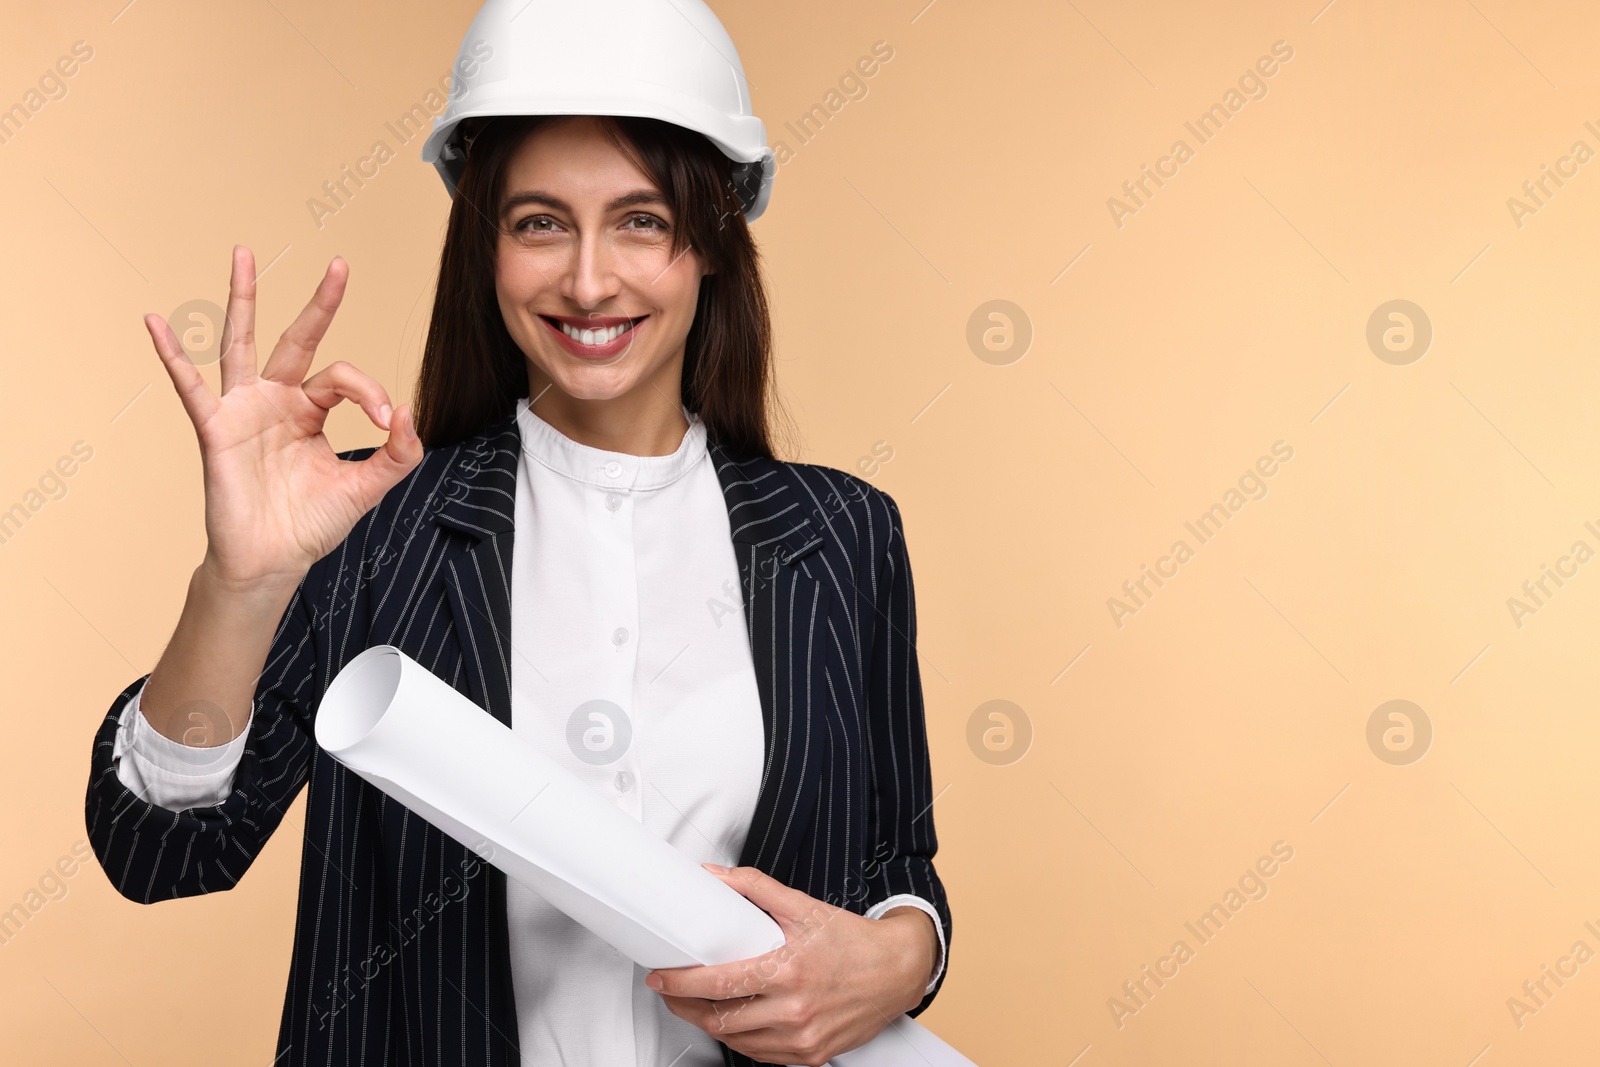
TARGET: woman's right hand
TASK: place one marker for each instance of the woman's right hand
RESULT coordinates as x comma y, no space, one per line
277,496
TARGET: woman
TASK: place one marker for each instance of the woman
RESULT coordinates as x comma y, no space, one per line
584,505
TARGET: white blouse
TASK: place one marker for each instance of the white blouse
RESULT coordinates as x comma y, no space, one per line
631,672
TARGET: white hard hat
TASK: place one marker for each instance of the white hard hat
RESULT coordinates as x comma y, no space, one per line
663,59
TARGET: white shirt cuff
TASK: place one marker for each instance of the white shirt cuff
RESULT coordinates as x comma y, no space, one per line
168,773
901,900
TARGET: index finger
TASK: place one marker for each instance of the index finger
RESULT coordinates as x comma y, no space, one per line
723,981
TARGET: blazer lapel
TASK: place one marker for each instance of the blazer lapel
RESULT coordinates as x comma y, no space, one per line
479,501
783,605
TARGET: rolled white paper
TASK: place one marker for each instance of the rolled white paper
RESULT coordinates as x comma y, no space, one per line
409,733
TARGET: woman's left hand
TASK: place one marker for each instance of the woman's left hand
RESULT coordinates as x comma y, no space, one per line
838,980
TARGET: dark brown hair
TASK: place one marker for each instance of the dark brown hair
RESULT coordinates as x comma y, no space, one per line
473,372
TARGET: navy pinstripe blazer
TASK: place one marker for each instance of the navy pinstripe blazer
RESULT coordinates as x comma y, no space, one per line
401,952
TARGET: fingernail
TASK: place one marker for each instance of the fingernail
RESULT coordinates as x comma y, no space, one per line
716,868
653,980
383,415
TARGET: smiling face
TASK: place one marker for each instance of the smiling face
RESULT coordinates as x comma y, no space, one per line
586,241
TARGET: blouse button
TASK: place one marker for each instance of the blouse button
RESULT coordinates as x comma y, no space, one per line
613,501
624,781
619,636
613,469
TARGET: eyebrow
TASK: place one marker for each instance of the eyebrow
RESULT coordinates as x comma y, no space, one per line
537,196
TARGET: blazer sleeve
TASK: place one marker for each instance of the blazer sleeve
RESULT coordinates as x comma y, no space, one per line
172,773
151,853
900,816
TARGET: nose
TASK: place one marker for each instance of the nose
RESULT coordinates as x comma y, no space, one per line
591,276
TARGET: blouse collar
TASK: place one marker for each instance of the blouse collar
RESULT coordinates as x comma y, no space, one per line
608,470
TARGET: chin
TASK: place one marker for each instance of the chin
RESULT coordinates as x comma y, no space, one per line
593,383
597,393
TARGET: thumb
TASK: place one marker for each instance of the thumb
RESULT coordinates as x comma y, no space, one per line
790,907
379,472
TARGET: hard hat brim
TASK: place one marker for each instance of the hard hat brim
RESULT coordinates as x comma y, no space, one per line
740,138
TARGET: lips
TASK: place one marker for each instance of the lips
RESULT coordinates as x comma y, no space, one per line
607,335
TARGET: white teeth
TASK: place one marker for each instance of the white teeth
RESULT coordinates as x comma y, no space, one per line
596,337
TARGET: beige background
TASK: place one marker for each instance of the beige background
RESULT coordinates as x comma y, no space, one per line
1228,313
